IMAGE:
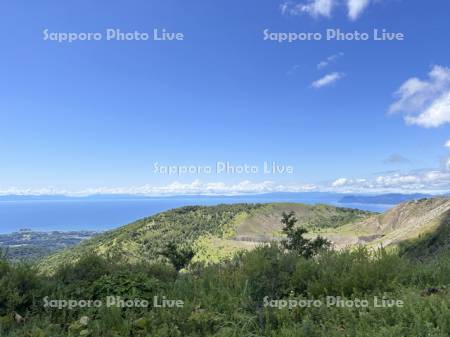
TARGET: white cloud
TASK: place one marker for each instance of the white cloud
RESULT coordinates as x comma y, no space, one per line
324,8
425,102
327,80
437,114
427,181
340,182
176,188
447,144
315,8
356,7
329,59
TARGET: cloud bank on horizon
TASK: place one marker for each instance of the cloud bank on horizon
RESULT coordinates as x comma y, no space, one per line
419,181
325,8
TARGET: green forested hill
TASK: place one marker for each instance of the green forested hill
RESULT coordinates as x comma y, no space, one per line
210,231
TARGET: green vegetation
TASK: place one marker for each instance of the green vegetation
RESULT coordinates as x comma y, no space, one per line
228,299
179,257
295,241
144,240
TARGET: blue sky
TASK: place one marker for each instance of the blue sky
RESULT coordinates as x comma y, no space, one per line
95,116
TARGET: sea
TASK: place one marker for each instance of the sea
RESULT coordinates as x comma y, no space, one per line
105,214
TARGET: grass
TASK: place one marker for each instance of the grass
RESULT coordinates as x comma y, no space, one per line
227,298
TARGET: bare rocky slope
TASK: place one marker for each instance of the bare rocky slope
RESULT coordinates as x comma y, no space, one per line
405,222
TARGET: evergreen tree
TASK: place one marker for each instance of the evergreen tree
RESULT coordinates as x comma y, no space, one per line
179,257
296,241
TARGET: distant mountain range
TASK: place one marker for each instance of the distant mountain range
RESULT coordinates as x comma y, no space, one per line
386,199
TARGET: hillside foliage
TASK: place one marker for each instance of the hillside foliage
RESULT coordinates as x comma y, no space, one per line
228,299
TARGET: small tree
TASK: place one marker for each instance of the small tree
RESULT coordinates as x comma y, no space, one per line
4,253
179,257
296,242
